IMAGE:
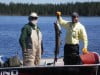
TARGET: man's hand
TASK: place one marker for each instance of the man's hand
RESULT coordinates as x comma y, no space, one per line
42,52
84,50
42,49
55,60
58,13
24,49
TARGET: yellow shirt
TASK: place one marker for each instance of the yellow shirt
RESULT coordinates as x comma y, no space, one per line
75,32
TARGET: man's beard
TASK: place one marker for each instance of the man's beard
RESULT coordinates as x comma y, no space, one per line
34,22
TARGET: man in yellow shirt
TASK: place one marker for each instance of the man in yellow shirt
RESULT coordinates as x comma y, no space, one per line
75,32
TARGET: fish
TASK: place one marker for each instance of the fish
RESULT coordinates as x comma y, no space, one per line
57,29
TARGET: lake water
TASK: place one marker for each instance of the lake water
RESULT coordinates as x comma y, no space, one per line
10,27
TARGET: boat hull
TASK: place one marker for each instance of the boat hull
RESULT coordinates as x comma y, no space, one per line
53,69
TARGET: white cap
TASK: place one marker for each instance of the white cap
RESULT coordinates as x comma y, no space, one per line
33,14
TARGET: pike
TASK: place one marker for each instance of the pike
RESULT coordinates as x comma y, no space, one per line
57,40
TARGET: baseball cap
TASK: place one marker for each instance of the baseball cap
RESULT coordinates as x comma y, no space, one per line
75,14
33,14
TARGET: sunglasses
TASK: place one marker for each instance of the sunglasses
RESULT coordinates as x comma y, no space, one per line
33,18
74,16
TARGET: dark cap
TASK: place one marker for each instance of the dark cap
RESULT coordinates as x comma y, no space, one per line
75,14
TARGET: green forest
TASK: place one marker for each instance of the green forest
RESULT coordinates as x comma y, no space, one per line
21,9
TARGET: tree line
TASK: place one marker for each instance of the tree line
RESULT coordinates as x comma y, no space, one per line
84,9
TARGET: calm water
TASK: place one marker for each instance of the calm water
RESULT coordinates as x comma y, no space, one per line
10,27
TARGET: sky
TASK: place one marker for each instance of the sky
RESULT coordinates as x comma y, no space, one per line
46,1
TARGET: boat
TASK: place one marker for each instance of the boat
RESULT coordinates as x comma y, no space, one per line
47,67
